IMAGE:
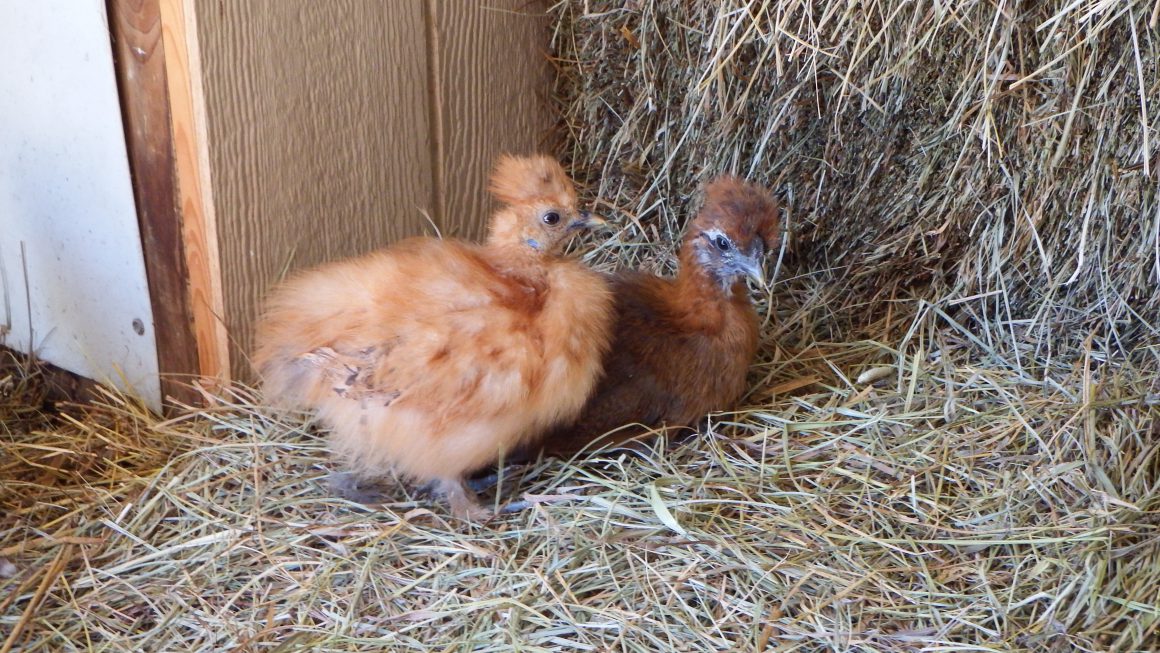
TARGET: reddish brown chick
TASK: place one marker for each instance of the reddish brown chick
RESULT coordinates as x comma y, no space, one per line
682,347
433,357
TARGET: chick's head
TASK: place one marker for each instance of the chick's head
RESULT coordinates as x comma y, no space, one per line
735,227
540,212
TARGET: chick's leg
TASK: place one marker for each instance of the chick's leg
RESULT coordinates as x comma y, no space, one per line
464,504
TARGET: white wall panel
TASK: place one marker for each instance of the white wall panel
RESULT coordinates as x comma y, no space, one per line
66,197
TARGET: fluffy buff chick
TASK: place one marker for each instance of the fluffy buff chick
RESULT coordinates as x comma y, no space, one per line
682,347
434,357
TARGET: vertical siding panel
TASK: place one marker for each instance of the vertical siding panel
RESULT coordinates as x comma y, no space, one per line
494,74
319,137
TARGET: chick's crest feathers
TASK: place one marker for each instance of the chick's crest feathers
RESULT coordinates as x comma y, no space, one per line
742,208
521,180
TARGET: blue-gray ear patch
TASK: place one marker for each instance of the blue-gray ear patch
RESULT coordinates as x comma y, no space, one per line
533,243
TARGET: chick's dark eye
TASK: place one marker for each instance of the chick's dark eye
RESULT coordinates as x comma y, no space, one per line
722,243
551,218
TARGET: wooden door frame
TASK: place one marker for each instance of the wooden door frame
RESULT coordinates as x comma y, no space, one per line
158,67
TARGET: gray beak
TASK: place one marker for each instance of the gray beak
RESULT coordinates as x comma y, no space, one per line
752,268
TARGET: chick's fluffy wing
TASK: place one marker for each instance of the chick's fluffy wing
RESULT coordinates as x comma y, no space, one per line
432,327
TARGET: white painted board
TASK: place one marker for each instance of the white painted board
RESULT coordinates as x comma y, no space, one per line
66,200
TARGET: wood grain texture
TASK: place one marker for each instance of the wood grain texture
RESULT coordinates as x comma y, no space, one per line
490,64
141,78
334,127
319,137
195,190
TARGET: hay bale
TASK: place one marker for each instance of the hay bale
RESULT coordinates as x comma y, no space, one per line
1005,151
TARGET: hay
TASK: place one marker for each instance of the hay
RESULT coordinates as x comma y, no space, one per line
963,505
946,447
930,150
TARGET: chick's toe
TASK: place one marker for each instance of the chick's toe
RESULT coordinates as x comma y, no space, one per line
463,501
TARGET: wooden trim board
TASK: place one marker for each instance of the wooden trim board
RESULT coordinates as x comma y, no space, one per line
174,207
195,187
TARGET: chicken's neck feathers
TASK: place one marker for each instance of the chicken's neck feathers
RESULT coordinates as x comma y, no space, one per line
518,262
699,300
